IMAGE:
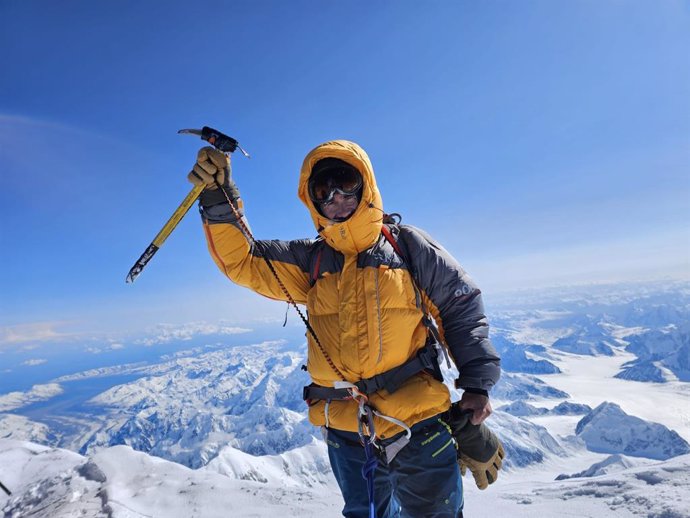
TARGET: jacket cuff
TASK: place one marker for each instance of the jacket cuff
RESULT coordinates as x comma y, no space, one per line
473,390
214,207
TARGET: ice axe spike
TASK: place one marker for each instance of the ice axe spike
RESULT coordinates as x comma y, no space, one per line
222,143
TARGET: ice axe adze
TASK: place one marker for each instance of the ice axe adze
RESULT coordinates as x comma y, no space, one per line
222,143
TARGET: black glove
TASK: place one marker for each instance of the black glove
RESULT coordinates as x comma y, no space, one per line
479,449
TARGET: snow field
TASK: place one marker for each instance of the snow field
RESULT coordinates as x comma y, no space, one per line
590,380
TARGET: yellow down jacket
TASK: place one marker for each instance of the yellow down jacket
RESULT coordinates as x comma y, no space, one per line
362,304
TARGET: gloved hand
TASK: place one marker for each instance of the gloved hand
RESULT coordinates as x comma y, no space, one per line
212,169
478,404
479,449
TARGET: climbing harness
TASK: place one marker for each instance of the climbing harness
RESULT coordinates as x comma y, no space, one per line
426,360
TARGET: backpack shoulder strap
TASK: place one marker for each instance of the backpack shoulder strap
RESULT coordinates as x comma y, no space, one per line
386,231
418,291
316,264
394,243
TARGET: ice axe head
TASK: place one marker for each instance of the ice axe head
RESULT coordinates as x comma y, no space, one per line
217,139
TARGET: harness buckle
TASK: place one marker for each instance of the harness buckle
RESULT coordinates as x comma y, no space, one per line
428,357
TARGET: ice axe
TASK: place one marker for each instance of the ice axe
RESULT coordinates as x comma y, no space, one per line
222,143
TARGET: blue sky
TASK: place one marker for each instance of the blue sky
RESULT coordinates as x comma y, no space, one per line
541,142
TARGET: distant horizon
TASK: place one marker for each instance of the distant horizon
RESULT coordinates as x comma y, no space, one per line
274,314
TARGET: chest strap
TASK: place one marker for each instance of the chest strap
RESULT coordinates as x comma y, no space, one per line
391,380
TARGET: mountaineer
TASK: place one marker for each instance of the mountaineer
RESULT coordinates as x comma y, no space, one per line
386,303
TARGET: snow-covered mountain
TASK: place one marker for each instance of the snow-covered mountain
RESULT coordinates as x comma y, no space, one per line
524,409
512,387
223,406
188,409
608,429
21,426
235,414
520,358
569,408
591,339
525,443
662,354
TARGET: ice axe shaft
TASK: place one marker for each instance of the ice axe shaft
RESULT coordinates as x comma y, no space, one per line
221,142
167,229
2,486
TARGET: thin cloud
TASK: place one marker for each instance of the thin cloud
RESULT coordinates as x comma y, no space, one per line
165,333
35,361
32,332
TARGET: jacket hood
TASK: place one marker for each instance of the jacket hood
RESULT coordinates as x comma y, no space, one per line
361,230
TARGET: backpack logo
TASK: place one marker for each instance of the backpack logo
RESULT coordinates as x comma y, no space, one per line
463,291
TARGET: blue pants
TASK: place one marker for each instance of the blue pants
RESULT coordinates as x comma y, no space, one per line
423,480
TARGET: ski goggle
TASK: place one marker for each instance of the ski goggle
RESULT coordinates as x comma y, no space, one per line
324,184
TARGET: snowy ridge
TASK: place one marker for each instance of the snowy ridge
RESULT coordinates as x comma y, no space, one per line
119,482
610,464
524,409
516,358
663,355
513,387
591,339
307,466
525,443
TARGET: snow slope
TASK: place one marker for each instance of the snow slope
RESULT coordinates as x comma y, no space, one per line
657,490
119,482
